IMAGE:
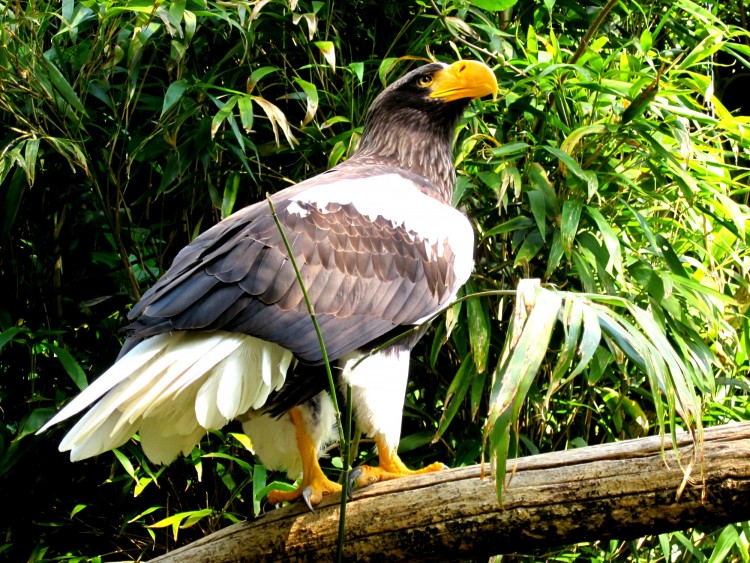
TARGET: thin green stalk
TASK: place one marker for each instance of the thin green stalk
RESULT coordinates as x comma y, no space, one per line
345,463
343,434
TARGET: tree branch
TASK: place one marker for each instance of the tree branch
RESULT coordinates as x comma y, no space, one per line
622,490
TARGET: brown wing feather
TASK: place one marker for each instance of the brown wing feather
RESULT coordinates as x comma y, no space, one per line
364,278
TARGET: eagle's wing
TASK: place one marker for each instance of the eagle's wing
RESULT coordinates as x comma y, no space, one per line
374,252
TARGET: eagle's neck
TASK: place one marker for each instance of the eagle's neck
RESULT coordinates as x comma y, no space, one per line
409,141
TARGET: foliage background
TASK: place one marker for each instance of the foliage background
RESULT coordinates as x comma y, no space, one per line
614,163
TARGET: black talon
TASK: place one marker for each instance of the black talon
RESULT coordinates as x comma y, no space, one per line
354,474
306,494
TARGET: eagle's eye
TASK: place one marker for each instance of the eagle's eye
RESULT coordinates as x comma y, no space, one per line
425,80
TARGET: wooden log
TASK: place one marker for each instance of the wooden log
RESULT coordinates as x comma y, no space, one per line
621,490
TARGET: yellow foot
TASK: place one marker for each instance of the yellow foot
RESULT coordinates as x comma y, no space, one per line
391,467
367,475
312,492
315,485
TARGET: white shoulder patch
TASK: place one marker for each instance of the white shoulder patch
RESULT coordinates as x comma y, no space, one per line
396,199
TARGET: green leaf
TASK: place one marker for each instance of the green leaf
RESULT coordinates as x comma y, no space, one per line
670,256
257,75
231,188
516,224
71,367
386,66
571,141
590,339
259,483
241,464
515,150
454,397
728,538
76,509
540,180
414,441
614,263
10,334
571,216
439,338
479,328
494,5
529,249
243,439
572,320
359,71
525,348
539,210
174,93
63,86
328,50
555,253
224,111
125,462
569,164
245,105
646,40
311,95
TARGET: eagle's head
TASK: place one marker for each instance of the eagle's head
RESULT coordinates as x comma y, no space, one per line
411,123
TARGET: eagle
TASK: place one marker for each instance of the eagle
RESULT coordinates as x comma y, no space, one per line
225,334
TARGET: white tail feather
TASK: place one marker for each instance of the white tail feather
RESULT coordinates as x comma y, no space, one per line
185,369
171,388
174,354
138,356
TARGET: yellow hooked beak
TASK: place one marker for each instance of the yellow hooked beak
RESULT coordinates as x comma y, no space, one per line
464,79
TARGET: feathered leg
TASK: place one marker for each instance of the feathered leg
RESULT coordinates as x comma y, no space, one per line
378,385
293,442
315,485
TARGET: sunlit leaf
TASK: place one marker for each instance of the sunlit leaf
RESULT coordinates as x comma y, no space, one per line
174,93
328,50
479,329
71,366
278,120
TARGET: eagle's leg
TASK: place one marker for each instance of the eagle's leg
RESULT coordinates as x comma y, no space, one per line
390,466
378,387
315,485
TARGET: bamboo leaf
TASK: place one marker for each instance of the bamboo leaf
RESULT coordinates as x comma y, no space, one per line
535,314
328,50
278,120
231,188
540,180
592,184
311,96
71,367
245,105
614,263
225,111
63,87
539,210
479,328
174,93
456,393
590,338
571,216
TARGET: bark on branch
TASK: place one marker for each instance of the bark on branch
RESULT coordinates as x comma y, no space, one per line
622,490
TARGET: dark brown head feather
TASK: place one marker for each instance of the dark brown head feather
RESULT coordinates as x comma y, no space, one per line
406,128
